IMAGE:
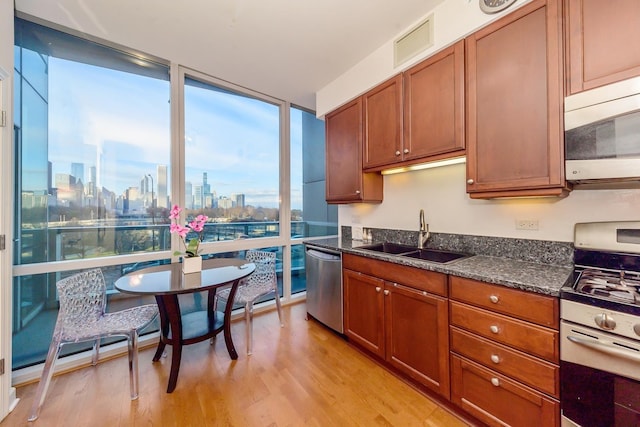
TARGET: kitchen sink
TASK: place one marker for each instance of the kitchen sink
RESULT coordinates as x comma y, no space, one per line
432,255
388,248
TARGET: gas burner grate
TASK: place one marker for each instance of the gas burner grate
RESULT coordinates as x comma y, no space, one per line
618,285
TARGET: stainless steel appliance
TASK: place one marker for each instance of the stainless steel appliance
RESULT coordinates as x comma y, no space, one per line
600,328
324,286
602,136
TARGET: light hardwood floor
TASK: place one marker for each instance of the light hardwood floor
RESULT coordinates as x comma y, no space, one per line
299,375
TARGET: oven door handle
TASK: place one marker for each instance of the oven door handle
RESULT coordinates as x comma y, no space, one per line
606,347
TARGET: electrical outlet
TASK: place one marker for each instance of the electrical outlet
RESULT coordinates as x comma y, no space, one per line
356,233
526,224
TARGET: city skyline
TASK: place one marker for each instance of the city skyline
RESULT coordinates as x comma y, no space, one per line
80,113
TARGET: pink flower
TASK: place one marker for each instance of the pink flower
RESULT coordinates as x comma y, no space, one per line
175,212
179,229
196,225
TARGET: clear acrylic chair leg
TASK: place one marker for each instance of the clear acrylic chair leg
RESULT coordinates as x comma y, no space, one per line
132,341
47,373
248,315
95,355
279,307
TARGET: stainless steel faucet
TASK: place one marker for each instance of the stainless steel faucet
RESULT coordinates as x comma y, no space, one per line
424,231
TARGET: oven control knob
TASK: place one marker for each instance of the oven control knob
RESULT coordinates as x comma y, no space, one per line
636,329
604,321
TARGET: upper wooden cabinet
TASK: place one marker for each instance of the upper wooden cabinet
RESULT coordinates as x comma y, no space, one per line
514,105
434,106
602,42
346,183
383,123
418,115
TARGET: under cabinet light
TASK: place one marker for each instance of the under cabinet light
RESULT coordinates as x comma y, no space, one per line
436,164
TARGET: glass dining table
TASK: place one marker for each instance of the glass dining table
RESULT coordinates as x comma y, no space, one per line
177,329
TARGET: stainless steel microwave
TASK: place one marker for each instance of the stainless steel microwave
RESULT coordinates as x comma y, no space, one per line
602,136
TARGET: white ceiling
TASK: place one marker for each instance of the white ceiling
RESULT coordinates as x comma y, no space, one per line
288,49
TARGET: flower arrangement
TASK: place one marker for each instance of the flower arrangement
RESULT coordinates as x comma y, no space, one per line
196,225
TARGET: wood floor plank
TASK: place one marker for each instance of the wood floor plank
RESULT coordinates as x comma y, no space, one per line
299,375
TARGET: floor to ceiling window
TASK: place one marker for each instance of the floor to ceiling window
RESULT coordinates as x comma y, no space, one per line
94,173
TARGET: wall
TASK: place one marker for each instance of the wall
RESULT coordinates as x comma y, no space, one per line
448,209
441,192
453,20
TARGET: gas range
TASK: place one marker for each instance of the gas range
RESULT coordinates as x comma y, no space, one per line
600,327
607,266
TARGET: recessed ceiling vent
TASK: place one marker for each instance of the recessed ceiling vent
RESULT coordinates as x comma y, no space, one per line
413,42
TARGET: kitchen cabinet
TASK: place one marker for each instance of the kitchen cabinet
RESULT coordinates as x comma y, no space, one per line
504,354
419,115
514,84
345,180
383,123
434,107
602,45
399,314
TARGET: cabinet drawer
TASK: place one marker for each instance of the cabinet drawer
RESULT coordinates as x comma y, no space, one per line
498,400
530,338
536,373
424,280
536,308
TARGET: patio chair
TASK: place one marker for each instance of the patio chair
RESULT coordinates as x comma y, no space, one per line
261,282
82,317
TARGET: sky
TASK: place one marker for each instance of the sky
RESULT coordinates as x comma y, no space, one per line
234,139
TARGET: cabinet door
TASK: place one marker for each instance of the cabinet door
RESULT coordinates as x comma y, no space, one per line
514,87
417,339
364,310
383,124
345,180
434,105
602,42
344,142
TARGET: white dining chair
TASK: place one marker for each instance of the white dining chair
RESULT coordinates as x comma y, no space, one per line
261,282
82,317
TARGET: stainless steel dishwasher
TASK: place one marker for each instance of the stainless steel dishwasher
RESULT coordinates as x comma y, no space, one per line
324,286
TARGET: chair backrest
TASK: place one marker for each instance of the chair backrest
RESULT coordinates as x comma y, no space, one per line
83,298
264,276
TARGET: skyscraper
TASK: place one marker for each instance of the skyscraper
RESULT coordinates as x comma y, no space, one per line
161,192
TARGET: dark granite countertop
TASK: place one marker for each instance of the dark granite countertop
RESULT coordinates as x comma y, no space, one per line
541,278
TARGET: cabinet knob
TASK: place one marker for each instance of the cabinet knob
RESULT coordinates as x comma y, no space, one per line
495,358
494,329
470,181
406,151
397,152
494,299
378,288
386,292
357,191
495,381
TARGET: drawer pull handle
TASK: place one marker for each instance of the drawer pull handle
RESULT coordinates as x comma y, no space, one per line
495,358
397,152
494,329
386,292
378,288
494,299
495,381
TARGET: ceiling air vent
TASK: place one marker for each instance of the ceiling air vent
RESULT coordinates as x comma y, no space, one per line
413,42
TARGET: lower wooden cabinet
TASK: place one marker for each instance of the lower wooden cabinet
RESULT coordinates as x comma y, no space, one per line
504,354
402,325
497,400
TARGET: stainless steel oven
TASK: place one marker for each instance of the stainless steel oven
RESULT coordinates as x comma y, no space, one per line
600,328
